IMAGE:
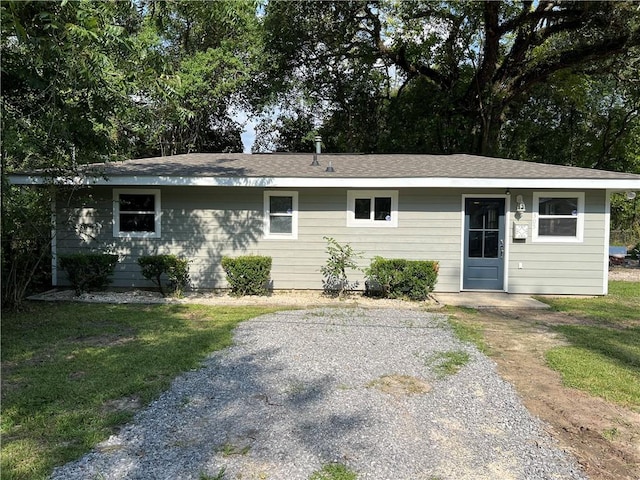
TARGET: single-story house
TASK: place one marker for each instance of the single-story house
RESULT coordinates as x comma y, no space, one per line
491,223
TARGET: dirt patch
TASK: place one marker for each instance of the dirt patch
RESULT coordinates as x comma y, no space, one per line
400,385
605,438
125,404
279,298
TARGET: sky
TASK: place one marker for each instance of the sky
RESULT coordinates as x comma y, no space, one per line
249,132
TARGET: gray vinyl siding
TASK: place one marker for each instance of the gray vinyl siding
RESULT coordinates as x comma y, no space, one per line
206,223
576,268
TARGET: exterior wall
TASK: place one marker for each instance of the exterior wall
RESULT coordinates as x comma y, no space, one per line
576,268
207,223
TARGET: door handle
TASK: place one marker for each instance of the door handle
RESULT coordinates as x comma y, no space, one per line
501,248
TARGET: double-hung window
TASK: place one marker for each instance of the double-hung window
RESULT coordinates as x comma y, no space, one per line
136,213
558,217
281,214
372,208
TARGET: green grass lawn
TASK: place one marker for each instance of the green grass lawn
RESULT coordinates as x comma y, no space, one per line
65,367
603,357
620,308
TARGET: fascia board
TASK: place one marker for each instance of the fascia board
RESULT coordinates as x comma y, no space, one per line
344,182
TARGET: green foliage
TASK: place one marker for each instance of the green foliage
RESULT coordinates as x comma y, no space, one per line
88,271
66,77
334,471
400,278
26,243
73,373
175,269
334,272
447,363
248,275
388,80
469,332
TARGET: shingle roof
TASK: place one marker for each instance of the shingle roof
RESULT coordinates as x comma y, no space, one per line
346,166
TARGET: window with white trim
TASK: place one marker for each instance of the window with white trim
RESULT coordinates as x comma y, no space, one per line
281,214
136,213
558,216
372,208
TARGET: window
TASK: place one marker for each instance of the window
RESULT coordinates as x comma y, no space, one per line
136,213
281,215
369,208
558,217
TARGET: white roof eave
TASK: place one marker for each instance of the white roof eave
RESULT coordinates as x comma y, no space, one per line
343,182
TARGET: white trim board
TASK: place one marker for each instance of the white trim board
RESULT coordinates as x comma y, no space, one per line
342,182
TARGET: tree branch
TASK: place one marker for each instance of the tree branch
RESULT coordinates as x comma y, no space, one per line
399,58
585,53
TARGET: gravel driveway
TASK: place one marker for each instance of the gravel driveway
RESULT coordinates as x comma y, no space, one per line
302,389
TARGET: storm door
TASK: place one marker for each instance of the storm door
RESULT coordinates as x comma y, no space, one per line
484,227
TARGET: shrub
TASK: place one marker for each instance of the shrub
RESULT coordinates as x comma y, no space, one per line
248,275
341,258
400,278
175,269
88,271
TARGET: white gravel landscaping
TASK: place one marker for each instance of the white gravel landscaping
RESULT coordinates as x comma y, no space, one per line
302,389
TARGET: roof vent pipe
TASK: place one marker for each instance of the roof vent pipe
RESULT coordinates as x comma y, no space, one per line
330,168
318,141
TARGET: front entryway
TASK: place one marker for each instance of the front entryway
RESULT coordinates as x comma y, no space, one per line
484,237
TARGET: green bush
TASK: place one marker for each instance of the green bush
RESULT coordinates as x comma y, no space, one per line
175,269
400,278
334,272
88,271
248,275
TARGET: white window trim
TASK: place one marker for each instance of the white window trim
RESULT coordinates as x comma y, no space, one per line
352,221
116,212
267,215
578,238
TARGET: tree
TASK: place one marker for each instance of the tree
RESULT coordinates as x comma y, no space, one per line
94,81
64,81
208,53
291,131
476,60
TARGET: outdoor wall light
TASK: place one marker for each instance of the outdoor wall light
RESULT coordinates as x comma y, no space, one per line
630,195
520,206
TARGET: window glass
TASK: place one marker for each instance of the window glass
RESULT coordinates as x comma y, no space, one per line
491,244
137,203
382,208
363,208
558,216
137,222
558,206
560,227
280,215
475,244
280,204
136,213
372,208
281,224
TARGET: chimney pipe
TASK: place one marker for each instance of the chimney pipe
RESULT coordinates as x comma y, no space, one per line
318,140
